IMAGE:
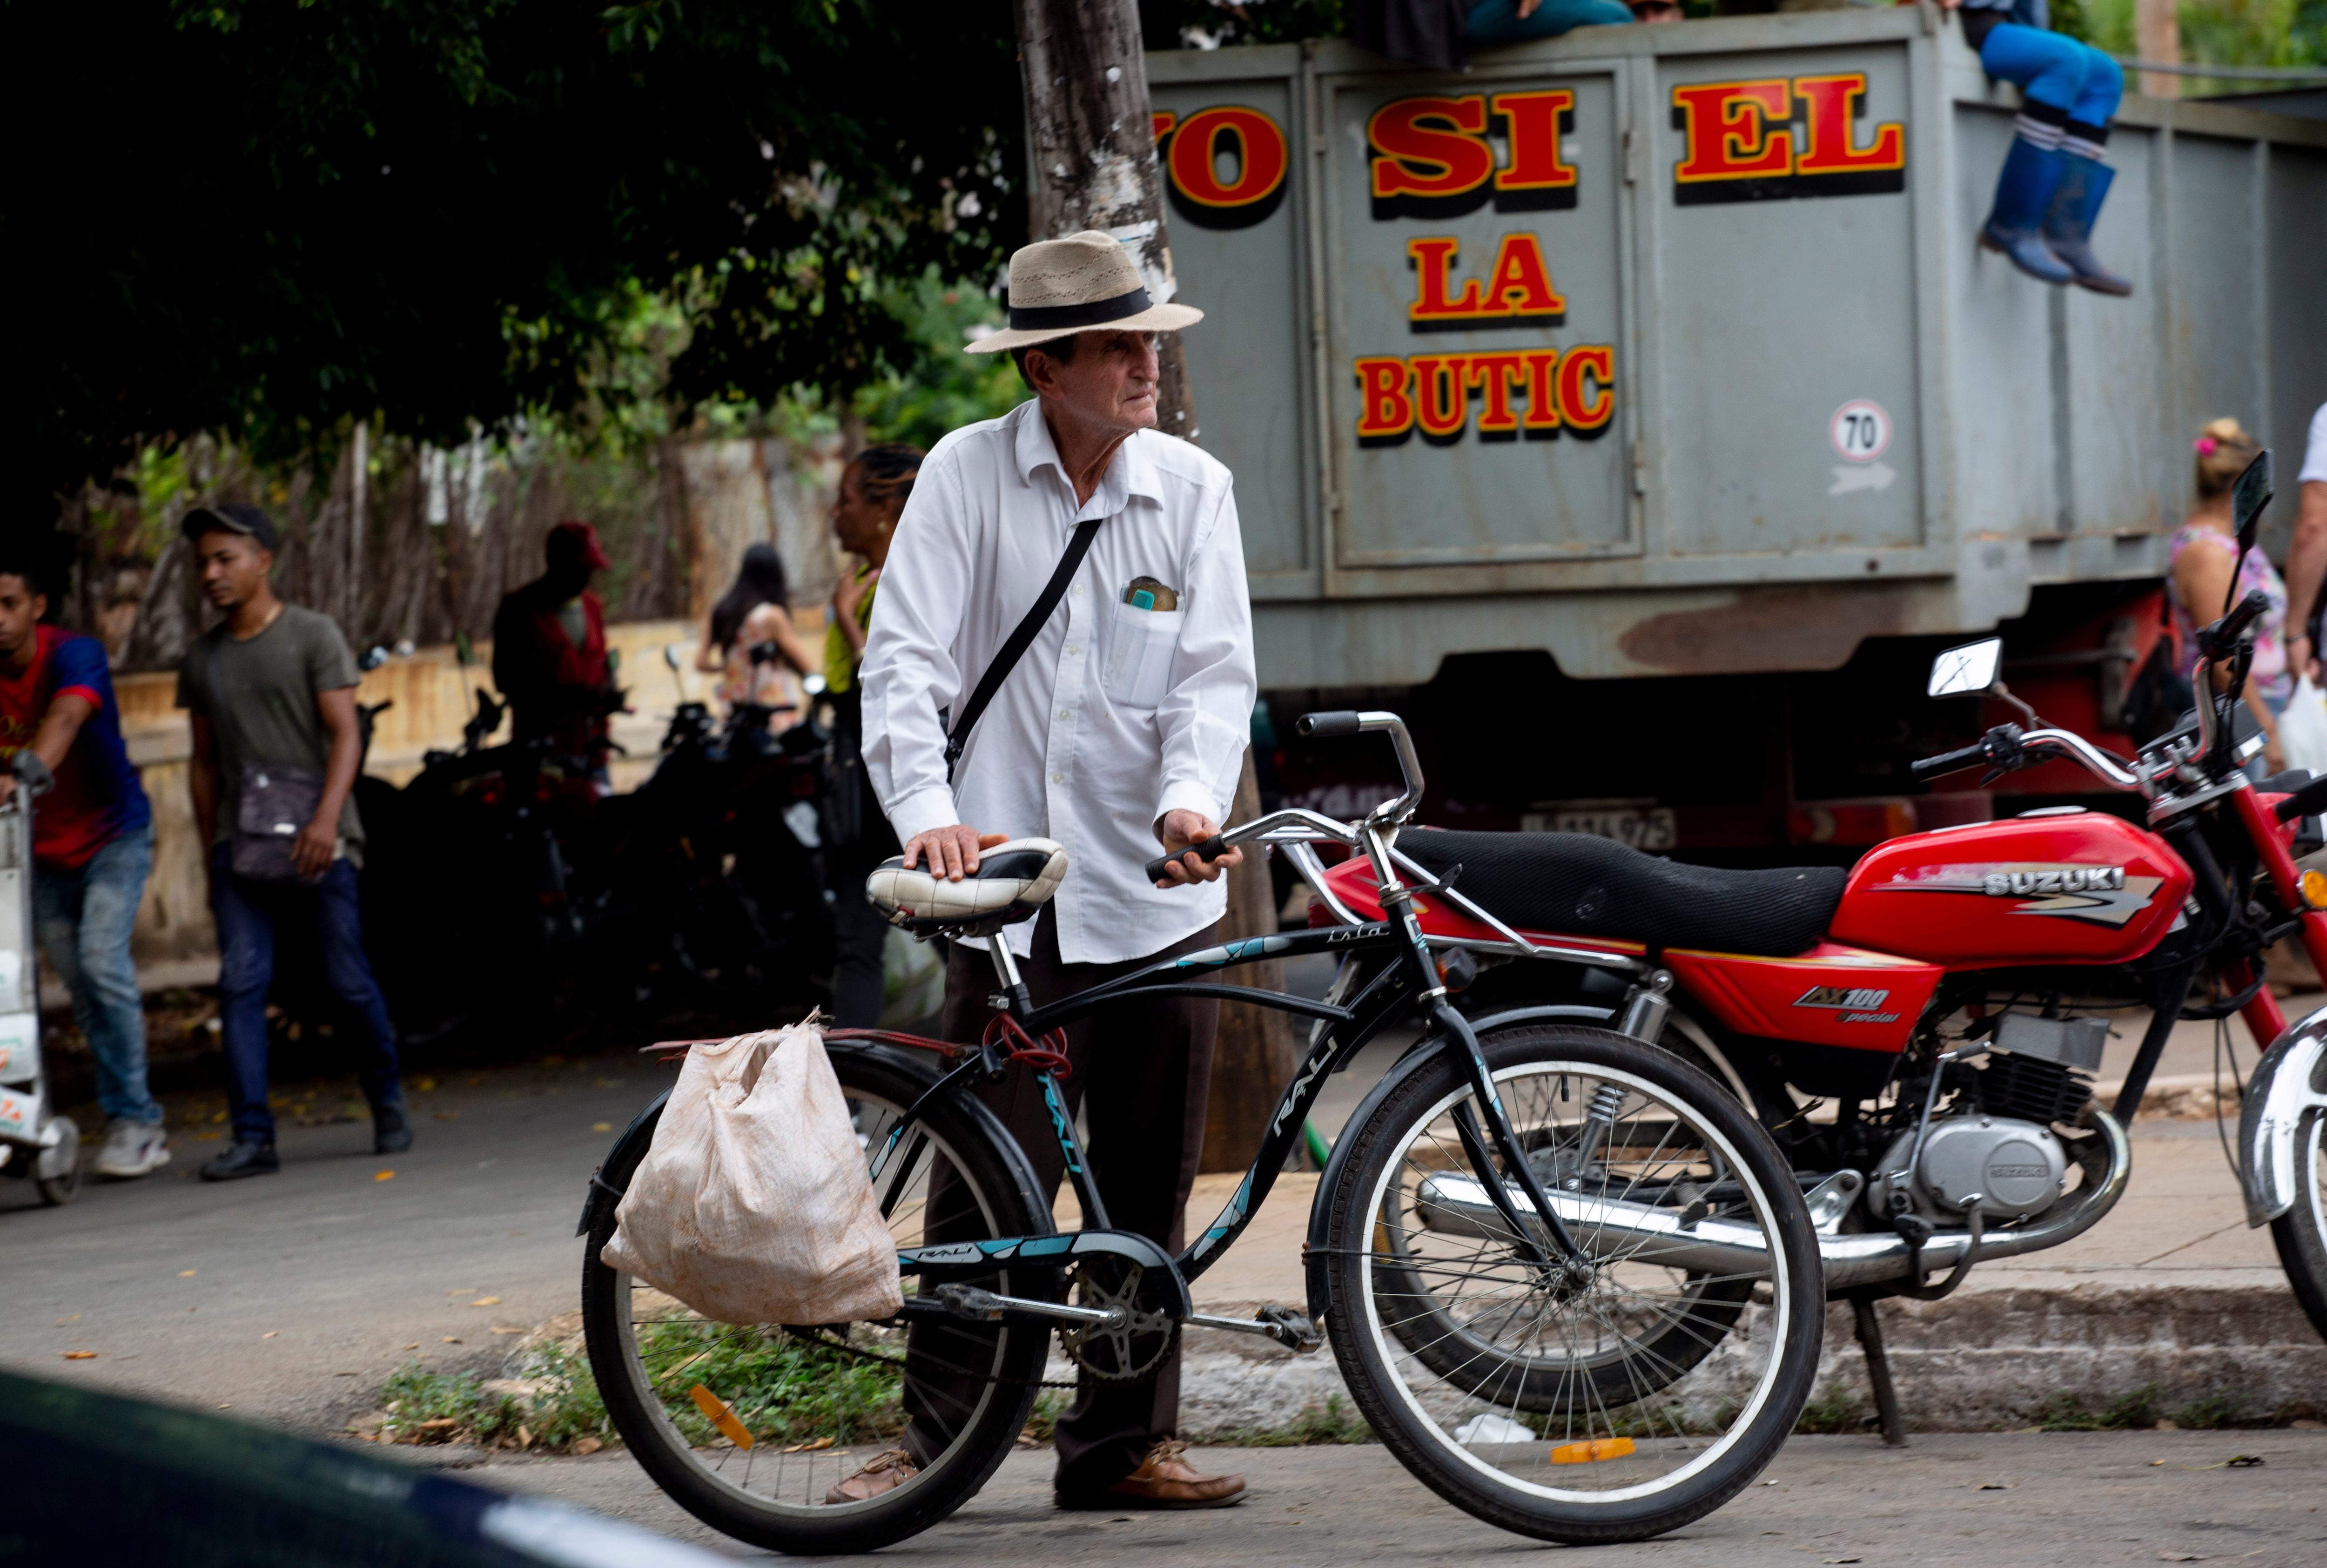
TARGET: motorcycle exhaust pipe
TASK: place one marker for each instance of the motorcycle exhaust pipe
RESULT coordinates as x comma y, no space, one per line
1454,1203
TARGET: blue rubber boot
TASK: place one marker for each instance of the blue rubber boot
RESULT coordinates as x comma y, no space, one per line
2024,195
2084,185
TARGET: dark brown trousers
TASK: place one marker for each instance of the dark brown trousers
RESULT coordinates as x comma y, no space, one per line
1141,1070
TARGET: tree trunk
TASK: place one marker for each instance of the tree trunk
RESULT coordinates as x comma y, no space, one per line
1091,152
1258,1051
2157,35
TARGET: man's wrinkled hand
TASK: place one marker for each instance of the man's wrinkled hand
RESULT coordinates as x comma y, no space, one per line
1178,830
317,845
952,852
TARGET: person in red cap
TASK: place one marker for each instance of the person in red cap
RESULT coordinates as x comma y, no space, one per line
549,649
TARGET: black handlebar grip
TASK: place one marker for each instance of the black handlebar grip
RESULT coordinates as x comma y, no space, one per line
1326,726
1954,762
1209,848
2310,800
2225,633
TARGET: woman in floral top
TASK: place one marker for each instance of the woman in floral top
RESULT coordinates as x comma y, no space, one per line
2204,553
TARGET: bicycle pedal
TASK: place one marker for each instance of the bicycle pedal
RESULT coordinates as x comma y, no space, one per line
1292,1328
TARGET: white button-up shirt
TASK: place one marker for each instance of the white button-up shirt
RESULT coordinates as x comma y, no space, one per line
1117,713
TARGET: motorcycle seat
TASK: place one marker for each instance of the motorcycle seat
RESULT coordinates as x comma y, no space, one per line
1012,881
1580,886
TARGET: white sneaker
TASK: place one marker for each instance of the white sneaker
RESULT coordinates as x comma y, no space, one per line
132,1149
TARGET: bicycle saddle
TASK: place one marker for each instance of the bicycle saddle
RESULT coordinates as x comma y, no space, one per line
1012,881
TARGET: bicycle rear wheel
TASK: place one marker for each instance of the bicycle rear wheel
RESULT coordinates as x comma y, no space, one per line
750,1427
1607,1404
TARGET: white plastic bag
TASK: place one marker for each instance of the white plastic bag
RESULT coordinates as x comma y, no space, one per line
2302,728
753,1206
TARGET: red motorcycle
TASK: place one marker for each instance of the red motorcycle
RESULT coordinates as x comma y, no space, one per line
1917,1034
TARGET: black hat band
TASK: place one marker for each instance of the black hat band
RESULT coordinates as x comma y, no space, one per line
1049,318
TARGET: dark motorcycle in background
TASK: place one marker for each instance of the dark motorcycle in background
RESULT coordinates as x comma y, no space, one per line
504,888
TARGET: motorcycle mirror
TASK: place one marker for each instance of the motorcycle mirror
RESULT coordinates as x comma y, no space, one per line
813,684
374,656
1972,668
2248,497
670,652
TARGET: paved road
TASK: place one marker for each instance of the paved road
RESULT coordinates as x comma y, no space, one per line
2081,1498
291,1297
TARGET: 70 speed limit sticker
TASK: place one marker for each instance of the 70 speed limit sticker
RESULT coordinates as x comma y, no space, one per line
1860,430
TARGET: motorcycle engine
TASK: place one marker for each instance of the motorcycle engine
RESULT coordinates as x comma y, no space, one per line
2014,1168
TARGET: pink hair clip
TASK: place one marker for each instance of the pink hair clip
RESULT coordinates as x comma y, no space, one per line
2204,445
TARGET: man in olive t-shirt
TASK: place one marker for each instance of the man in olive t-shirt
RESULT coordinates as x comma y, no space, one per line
273,685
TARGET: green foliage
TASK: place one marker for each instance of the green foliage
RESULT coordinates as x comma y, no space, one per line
1832,1409
945,387
265,220
427,1406
781,1388
2214,1412
1177,24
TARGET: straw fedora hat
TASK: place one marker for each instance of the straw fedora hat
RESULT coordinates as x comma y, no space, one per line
1084,283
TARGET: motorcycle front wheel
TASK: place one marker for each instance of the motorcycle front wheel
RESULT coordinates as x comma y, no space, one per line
2301,1233
1610,1401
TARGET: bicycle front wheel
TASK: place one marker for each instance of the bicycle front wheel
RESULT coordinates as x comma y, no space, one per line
750,1427
1610,1399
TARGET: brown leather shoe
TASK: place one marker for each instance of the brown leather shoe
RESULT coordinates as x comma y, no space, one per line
884,1472
1164,1480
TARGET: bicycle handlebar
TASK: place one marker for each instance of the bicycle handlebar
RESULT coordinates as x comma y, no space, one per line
1206,848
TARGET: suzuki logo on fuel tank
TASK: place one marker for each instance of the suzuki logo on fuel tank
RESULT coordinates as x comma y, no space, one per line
2066,879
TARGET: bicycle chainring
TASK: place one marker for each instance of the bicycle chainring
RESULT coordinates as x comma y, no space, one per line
1128,1351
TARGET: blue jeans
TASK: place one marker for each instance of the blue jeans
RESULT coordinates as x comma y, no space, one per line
85,917
246,912
2054,69
1499,21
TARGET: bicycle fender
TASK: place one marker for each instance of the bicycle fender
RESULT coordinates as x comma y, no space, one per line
1317,1278
2288,1084
630,1146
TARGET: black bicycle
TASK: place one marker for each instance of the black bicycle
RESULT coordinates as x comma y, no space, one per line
1499,1251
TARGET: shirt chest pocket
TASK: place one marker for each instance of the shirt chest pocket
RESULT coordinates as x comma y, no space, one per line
1140,647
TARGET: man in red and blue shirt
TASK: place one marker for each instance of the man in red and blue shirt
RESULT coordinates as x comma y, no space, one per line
92,847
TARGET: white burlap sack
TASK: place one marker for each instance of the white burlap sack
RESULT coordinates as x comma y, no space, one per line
753,1206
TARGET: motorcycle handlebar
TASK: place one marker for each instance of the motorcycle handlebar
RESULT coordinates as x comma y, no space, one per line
1208,848
2225,633
1953,762
1328,726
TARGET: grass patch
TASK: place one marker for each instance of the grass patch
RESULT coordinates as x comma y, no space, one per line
1832,1409
1335,1422
553,1407
2217,1411
781,1388
2128,1411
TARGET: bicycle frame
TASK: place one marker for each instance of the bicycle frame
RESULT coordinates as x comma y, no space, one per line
1412,981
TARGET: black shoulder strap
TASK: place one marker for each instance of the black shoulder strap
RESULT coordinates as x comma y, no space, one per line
1020,640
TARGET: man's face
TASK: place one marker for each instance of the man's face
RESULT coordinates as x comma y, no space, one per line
1110,383
21,609
231,567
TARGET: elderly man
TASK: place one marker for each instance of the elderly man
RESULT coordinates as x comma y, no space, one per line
1123,725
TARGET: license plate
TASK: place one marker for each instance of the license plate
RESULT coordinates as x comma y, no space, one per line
1650,828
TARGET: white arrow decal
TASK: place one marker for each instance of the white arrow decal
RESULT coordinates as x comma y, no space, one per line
1874,476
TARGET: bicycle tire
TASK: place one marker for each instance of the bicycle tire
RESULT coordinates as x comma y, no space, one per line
1360,1341
982,1154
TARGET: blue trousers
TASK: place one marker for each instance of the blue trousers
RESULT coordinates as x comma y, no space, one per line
85,916
246,914
1499,21
2054,69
